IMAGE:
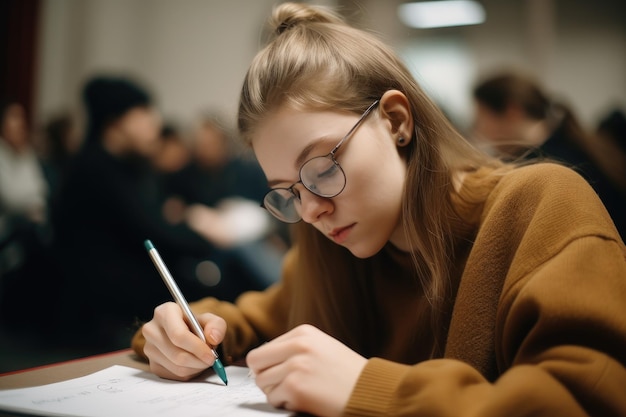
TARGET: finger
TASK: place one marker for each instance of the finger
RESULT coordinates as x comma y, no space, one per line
281,395
291,391
173,366
268,381
266,356
214,328
269,378
185,344
178,343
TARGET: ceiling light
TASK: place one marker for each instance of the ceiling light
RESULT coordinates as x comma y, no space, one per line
433,14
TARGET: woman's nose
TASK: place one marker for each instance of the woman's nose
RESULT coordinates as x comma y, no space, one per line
312,206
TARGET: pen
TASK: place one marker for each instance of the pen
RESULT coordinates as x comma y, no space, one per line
182,302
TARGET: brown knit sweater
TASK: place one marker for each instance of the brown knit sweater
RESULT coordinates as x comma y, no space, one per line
538,325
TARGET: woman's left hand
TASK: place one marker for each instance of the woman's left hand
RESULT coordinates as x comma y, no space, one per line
306,370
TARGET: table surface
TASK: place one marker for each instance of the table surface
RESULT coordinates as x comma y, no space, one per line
71,369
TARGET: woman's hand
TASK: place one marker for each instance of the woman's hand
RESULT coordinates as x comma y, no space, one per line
174,351
306,370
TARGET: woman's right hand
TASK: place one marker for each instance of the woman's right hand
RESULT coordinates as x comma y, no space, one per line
173,350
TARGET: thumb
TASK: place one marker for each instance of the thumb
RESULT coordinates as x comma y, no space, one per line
215,336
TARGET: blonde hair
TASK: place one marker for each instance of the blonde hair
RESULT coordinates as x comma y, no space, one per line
315,60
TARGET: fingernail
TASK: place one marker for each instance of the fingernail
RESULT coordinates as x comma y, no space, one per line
216,336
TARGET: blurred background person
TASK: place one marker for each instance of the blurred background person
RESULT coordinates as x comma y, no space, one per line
613,126
218,193
23,196
516,118
23,189
225,169
108,205
59,142
173,154
610,136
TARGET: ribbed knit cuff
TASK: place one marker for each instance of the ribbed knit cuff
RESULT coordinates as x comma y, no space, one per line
375,388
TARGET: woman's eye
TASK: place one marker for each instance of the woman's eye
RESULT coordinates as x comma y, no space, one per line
328,172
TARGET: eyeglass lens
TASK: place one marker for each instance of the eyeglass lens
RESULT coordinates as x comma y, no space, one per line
323,176
281,203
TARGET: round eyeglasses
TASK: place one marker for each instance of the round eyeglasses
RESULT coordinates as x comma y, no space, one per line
322,175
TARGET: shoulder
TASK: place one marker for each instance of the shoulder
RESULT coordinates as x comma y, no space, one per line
549,185
543,177
547,199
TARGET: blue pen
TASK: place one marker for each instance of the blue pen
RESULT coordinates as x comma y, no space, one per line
182,302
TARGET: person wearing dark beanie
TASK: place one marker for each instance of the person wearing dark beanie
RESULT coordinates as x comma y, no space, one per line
108,98
107,207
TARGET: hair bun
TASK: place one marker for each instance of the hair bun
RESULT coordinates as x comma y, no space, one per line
289,15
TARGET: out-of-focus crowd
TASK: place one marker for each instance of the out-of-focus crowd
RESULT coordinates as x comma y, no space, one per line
78,197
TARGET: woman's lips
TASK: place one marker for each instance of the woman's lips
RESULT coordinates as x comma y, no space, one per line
340,234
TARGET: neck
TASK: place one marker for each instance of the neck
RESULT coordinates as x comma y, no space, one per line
399,239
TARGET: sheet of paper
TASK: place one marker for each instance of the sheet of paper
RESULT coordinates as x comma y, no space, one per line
122,391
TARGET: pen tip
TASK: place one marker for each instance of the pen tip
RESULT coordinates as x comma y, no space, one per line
220,371
148,244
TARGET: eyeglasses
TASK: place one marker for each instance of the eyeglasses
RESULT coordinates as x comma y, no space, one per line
322,175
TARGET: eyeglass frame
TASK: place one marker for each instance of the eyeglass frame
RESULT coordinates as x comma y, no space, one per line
330,155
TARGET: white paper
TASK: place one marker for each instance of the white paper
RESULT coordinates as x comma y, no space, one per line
122,391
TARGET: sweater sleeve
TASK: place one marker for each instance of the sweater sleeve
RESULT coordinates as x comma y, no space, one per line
255,317
565,338
560,327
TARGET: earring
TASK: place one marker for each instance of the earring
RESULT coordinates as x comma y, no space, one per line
401,140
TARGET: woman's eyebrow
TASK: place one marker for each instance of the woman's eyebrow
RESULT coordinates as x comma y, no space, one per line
319,142
303,156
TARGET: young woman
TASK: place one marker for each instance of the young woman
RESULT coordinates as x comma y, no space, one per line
425,278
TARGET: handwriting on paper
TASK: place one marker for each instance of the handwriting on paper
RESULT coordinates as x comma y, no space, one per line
122,391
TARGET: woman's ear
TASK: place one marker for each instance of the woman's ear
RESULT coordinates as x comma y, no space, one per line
395,108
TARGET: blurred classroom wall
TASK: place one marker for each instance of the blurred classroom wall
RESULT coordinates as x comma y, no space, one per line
194,53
